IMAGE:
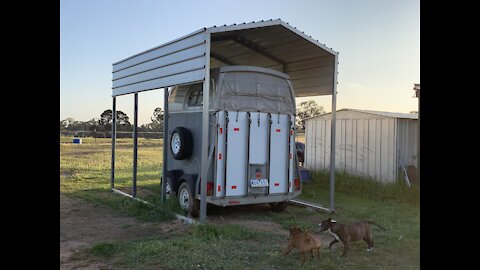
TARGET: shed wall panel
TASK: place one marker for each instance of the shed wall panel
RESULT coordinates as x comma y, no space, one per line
360,148
308,141
328,142
364,146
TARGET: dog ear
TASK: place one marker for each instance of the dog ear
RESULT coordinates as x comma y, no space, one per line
329,219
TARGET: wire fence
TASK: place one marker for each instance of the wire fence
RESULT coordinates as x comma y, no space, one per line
108,134
129,134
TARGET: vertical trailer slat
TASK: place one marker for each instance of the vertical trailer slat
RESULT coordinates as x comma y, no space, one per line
220,155
237,132
291,153
279,133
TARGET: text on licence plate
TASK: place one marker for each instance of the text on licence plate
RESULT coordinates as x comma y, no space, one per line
259,182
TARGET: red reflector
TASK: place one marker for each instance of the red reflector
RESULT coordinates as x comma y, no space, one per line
236,129
209,188
234,187
221,130
291,131
277,184
278,130
219,188
297,183
258,175
219,155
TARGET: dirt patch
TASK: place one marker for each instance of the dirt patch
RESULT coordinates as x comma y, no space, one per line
66,173
82,225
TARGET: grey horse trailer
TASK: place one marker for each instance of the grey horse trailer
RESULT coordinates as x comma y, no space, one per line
252,140
229,101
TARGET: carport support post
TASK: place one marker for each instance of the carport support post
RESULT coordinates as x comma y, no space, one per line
333,136
114,137
205,137
165,142
135,146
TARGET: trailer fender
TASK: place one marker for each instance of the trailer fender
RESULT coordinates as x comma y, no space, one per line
175,175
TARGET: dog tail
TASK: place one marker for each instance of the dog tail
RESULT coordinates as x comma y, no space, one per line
371,222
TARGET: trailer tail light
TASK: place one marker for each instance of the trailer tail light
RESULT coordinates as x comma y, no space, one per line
296,184
209,188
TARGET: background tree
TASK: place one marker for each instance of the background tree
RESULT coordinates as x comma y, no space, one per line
65,123
123,121
307,109
157,120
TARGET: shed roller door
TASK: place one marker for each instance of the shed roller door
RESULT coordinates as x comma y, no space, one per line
279,152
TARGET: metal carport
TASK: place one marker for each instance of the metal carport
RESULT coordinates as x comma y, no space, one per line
311,65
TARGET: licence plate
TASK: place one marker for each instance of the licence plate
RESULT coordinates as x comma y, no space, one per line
259,183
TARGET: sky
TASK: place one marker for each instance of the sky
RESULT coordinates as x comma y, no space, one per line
378,43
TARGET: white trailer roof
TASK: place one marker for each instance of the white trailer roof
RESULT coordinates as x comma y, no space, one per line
273,44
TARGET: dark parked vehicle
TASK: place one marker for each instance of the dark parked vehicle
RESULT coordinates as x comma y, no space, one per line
300,152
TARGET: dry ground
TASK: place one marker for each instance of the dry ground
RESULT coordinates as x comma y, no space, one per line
82,224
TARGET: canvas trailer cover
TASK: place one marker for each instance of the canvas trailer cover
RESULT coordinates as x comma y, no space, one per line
273,44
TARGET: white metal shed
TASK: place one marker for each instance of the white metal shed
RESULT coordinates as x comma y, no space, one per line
368,143
311,66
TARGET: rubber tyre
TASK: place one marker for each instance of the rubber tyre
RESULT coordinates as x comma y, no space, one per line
278,206
181,143
187,201
169,193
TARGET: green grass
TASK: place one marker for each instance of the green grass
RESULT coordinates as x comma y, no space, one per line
85,173
206,247
367,187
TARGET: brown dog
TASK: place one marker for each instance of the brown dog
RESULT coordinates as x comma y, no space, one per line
304,242
347,233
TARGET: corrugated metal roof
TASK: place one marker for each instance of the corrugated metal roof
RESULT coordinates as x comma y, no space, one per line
380,113
387,114
274,44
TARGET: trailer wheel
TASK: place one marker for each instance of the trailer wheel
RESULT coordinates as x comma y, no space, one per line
187,201
169,193
181,143
278,206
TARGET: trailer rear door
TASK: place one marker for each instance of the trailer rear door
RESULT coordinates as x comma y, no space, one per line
237,147
279,152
